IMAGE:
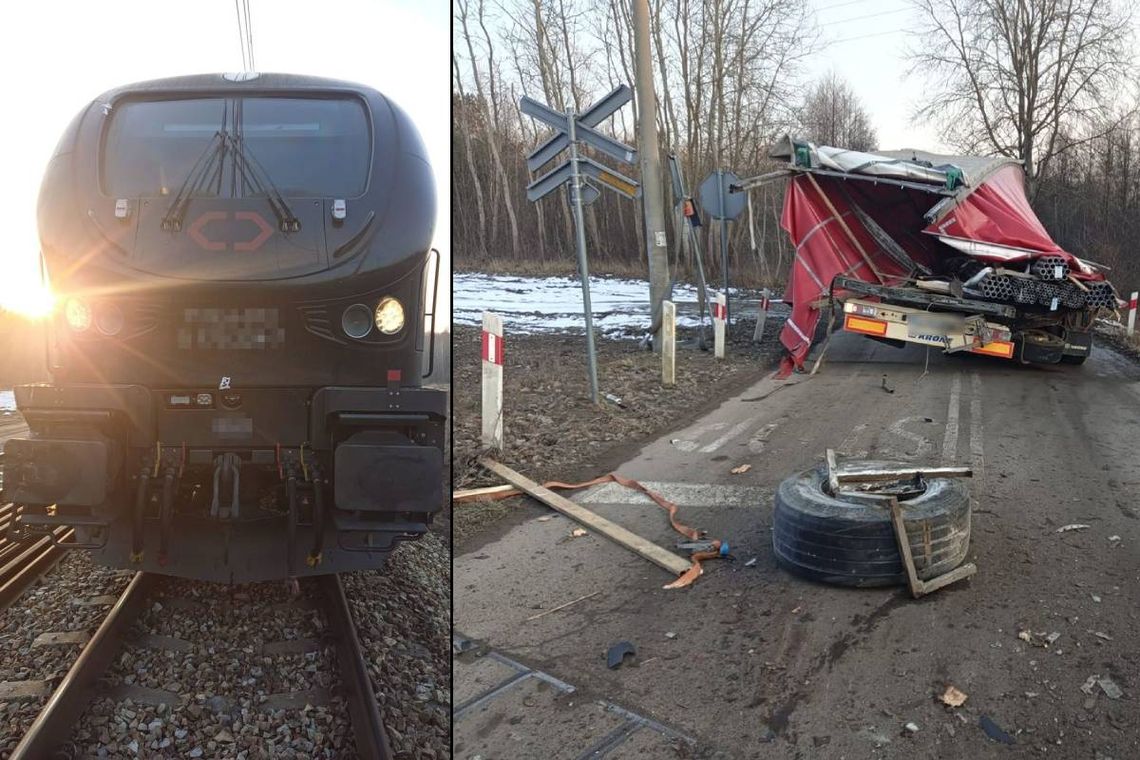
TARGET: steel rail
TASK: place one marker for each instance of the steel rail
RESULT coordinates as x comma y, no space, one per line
367,723
53,726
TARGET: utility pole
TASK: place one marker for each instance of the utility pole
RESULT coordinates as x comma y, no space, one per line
655,240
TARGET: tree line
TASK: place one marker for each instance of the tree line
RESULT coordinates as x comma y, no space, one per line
1049,82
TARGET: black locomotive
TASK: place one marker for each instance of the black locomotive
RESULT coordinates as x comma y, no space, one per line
246,289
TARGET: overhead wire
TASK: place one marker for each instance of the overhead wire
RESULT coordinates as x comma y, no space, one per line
249,36
860,18
245,35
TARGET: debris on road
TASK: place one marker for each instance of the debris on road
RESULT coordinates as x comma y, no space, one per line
687,572
953,697
885,387
579,532
482,494
1102,635
630,540
1087,686
616,654
994,731
911,728
1039,639
1114,540
750,563
1096,598
670,635
1072,526
1109,687
615,400
563,606
741,469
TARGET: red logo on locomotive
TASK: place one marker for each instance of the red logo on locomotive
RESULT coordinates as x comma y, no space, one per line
197,231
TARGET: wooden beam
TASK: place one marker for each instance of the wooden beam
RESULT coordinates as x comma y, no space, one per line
475,494
616,533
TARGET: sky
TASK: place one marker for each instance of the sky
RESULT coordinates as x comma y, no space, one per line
866,45
59,55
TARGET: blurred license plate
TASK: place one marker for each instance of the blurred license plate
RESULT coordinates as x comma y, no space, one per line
937,326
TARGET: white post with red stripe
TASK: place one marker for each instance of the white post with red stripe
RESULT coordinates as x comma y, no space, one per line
762,315
492,381
668,344
720,316
1132,312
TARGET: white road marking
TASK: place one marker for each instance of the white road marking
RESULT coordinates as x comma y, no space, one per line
691,443
760,437
922,445
977,454
736,430
950,442
684,494
849,440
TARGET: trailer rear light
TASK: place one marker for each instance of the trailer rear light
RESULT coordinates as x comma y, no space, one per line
862,309
865,326
78,315
1002,348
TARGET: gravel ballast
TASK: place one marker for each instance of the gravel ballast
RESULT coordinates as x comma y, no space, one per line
403,617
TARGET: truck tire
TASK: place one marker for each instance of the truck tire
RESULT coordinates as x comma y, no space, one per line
825,539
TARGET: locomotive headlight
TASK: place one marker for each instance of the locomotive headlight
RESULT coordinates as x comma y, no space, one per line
389,315
108,319
78,314
356,321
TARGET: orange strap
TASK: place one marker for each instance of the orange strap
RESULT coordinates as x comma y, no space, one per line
683,580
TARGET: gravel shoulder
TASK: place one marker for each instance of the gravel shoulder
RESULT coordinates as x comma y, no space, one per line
552,431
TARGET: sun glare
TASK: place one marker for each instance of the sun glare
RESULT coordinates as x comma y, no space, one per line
31,302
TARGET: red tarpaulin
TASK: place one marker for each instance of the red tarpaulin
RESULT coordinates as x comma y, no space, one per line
998,212
993,222
824,248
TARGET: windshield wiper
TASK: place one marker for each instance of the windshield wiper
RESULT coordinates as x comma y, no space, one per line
254,174
202,168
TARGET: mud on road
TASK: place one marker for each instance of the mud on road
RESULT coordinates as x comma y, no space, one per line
551,429
753,662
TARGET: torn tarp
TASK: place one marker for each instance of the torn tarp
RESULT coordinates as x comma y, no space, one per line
883,218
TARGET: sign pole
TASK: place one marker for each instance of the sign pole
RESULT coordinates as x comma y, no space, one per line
724,240
583,266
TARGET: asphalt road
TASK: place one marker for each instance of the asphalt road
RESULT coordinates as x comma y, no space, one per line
763,664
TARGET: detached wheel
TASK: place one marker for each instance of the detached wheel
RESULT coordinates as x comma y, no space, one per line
848,543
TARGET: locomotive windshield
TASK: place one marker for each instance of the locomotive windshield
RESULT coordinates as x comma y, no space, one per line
308,147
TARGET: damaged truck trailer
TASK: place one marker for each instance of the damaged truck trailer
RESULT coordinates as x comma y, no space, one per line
942,251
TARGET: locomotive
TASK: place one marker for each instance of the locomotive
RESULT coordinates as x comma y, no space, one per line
245,288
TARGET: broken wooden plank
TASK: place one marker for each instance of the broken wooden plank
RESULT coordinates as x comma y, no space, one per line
475,494
832,472
616,533
857,474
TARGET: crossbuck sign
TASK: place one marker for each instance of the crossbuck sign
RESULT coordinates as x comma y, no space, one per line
581,173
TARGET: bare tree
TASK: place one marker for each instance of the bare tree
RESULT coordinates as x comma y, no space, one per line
832,115
1014,76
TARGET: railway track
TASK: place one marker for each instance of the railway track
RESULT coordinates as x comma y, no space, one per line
66,706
